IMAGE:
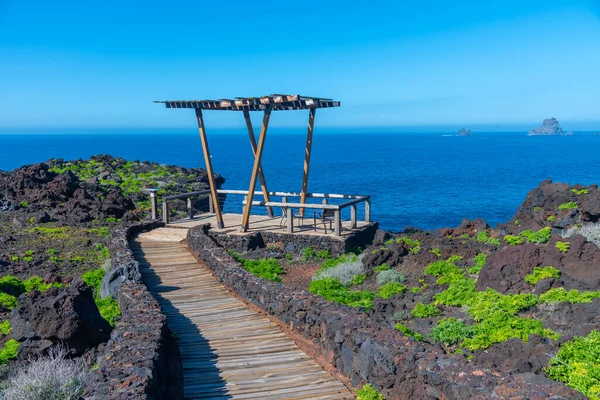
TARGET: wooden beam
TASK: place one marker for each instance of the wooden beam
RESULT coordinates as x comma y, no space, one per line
263,182
309,139
257,158
209,169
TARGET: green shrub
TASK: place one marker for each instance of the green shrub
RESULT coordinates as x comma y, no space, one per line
542,273
500,327
266,268
358,279
37,283
7,301
414,246
563,246
11,285
486,303
541,236
409,332
450,331
368,392
576,365
513,240
425,310
24,204
94,277
480,260
382,267
436,251
9,351
333,290
484,237
389,275
5,327
580,192
391,288
571,205
325,254
332,262
560,295
536,209
308,253
550,218
109,309
459,293
418,289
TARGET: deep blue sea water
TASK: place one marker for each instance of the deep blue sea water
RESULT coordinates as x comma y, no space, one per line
426,180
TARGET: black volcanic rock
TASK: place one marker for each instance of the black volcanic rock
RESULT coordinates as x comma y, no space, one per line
464,132
550,126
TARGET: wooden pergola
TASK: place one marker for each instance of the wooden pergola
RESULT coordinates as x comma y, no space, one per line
266,104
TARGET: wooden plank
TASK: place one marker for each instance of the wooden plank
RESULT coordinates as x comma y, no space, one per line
308,150
263,182
257,159
209,169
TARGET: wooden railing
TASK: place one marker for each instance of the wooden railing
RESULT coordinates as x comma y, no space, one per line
284,204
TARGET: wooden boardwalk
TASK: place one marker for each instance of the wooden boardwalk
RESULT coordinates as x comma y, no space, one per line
228,350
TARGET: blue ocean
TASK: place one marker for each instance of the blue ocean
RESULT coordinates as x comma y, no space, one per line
425,180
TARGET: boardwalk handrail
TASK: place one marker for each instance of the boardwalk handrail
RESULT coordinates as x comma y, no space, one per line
353,200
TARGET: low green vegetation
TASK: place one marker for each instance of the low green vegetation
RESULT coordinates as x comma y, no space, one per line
331,289
495,313
108,307
484,237
358,279
414,246
571,205
563,246
5,327
12,287
537,209
390,289
513,240
409,332
418,289
368,392
9,351
7,301
451,331
436,251
480,260
540,273
561,295
580,192
266,268
576,365
550,218
541,236
425,310
381,268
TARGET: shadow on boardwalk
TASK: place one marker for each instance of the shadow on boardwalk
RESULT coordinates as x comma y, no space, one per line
186,333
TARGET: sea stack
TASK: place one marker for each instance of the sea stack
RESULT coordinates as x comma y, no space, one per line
464,132
550,126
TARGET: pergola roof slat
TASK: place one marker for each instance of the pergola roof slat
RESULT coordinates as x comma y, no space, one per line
277,102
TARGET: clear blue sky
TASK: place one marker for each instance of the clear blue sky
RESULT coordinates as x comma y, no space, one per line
80,63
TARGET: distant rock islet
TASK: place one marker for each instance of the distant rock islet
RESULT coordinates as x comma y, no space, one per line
550,127
464,132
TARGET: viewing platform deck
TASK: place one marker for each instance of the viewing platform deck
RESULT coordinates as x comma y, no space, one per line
264,223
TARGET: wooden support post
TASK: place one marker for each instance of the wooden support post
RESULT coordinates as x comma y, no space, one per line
211,206
337,229
257,158
368,211
353,216
190,208
165,212
283,200
263,182
290,220
153,203
209,169
309,139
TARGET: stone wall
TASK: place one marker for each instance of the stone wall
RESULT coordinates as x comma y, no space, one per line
141,360
363,350
294,243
